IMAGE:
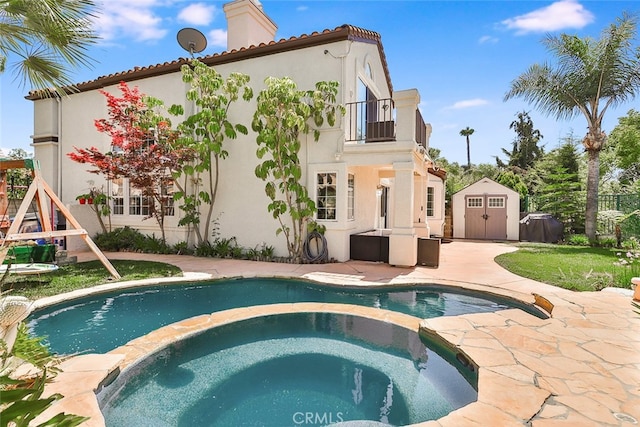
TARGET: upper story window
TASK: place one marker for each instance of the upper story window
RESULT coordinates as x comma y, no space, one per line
326,195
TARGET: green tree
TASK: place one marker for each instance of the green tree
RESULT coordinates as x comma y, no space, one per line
515,182
590,77
560,190
144,150
525,149
203,134
285,113
18,180
625,140
48,36
467,132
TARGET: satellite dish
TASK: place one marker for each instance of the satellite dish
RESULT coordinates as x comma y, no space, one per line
192,40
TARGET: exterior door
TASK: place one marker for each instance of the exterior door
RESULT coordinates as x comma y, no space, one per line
486,216
384,208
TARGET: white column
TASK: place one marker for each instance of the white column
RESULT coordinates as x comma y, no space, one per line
406,104
403,249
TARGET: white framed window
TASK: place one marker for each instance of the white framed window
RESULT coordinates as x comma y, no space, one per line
351,199
475,202
430,200
126,198
116,191
326,195
495,202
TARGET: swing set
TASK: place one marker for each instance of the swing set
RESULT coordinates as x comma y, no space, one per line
39,192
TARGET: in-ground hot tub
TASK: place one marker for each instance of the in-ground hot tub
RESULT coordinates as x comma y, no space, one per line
294,368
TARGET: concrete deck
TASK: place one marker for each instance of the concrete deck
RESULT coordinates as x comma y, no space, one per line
581,367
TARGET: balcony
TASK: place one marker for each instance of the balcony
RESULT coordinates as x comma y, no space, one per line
375,121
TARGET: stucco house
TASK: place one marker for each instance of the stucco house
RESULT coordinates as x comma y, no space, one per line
373,163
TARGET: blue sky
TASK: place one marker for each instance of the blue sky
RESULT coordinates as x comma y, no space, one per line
460,55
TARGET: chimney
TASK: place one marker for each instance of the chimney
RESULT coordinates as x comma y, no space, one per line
247,24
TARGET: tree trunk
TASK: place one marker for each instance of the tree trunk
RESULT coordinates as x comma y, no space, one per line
468,154
593,177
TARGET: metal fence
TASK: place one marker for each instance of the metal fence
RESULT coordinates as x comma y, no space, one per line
624,203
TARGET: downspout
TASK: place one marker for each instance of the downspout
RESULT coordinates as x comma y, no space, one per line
343,77
59,165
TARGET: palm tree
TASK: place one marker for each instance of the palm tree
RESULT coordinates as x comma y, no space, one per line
466,132
590,76
48,37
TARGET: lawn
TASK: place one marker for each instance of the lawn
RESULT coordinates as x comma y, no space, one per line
83,275
577,268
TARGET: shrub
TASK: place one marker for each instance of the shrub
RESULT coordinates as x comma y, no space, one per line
153,245
631,243
628,266
204,250
607,242
224,247
120,239
182,248
578,240
21,399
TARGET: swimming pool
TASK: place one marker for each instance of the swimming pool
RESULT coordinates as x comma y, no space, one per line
291,369
102,322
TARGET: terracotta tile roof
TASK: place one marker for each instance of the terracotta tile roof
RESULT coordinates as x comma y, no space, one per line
343,32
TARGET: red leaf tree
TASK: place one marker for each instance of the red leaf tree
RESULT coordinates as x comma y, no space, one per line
142,148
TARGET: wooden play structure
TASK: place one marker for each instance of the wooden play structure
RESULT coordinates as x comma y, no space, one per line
40,192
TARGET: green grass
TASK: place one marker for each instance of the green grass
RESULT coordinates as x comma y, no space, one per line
578,268
83,275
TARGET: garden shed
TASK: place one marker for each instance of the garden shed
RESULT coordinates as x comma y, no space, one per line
486,210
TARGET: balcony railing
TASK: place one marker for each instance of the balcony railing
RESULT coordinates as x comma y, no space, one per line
421,130
371,121
374,121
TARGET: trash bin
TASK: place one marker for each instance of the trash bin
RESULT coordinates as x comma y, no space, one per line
428,252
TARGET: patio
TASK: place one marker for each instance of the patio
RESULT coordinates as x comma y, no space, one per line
581,367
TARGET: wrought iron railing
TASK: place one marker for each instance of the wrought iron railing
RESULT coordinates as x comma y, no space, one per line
371,121
421,130
374,121
624,203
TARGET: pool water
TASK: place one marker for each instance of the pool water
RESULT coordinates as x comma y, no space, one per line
288,370
102,322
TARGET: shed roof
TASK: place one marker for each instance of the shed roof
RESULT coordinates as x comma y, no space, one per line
483,182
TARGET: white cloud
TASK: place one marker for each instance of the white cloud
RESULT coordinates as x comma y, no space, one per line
302,8
468,103
197,14
217,38
126,18
557,16
488,39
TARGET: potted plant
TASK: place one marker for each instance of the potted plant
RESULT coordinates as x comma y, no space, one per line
85,198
